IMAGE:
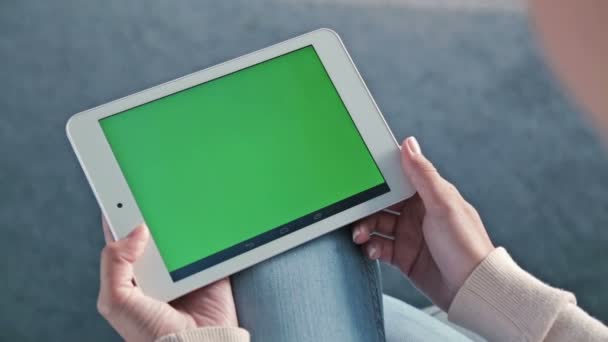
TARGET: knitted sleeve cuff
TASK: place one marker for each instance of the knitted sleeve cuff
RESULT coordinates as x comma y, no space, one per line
502,302
208,334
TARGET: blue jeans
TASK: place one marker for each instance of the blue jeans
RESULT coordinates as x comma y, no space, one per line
326,290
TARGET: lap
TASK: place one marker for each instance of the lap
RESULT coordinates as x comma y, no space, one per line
405,323
324,290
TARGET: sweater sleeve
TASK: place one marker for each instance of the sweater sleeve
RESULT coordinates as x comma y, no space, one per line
208,334
502,302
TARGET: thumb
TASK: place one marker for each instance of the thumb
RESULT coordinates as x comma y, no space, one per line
117,258
436,192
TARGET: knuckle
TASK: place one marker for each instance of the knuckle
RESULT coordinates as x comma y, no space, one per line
472,211
109,251
445,208
112,252
427,167
470,208
111,301
104,253
452,189
457,207
447,204
103,306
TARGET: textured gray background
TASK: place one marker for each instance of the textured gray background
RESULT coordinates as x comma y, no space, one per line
468,83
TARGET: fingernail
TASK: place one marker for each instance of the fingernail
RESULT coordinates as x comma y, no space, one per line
356,233
373,253
139,232
412,145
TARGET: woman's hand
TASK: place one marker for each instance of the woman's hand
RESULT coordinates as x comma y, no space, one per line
137,317
438,236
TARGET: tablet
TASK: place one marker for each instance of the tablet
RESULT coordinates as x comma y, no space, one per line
237,163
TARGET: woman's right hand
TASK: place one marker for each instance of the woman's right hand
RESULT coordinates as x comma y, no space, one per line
137,317
439,238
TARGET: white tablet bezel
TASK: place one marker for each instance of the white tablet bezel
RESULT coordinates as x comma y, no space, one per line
110,187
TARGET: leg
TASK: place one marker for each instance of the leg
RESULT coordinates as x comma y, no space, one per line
322,291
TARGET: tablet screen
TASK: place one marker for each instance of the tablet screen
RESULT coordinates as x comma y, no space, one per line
236,162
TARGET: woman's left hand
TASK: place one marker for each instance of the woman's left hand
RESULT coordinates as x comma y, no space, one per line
436,237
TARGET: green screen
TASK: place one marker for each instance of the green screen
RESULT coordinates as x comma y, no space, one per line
236,157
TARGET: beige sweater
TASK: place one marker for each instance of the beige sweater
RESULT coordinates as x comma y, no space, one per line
499,300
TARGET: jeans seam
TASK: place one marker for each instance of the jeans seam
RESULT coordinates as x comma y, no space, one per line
377,308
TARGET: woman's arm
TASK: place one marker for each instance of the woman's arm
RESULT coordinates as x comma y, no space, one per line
502,302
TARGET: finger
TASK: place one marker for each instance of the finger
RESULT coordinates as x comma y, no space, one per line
117,260
409,235
397,207
436,192
378,248
381,222
385,223
212,296
107,234
363,228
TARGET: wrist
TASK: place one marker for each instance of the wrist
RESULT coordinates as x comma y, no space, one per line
221,320
477,254
227,334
